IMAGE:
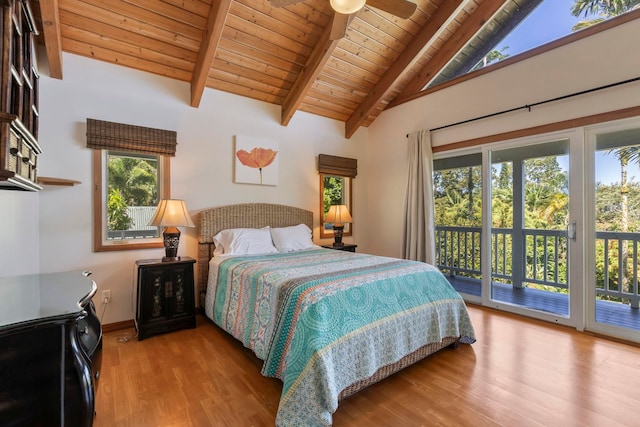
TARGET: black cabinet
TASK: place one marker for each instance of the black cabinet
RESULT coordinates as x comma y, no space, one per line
165,299
345,247
50,350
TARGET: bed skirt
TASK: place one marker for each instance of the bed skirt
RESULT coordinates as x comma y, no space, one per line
391,369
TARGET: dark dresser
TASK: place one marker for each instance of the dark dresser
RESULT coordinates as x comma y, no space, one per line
50,350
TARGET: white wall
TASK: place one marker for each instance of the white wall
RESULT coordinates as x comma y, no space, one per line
19,233
201,172
605,58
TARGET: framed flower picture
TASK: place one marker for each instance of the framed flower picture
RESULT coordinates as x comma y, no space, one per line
256,161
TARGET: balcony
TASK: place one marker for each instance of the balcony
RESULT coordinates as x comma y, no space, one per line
540,280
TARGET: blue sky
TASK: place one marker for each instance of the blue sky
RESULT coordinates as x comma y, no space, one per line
551,20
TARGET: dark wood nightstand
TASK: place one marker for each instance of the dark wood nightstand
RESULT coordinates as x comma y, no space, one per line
346,247
165,297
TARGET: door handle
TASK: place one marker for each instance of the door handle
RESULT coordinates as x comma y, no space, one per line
571,230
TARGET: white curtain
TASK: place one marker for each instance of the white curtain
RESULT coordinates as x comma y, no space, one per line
419,219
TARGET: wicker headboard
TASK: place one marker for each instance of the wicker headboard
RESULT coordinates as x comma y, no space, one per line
247,215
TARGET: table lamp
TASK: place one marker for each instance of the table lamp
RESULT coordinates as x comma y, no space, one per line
171,214
338,215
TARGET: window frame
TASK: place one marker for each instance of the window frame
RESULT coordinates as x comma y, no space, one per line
100,244
348,227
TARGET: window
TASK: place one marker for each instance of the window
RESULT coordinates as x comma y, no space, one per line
524,25
334,190
127,190
336,176
131,175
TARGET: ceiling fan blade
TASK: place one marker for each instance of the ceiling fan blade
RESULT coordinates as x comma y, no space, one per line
283,3
401,8
340,24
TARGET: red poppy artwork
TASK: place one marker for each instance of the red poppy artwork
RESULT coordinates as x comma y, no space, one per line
256,161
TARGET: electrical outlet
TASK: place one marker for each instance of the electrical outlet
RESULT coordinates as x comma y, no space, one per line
106,296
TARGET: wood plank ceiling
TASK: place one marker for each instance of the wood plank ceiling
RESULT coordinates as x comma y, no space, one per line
282,56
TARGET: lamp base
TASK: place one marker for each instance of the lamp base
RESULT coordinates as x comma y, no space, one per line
171,237
337,235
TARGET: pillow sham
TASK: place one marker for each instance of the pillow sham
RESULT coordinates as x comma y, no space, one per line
294,238
243,241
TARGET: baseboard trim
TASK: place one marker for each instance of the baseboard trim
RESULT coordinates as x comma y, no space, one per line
125,324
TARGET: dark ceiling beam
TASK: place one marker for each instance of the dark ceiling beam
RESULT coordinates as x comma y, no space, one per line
52,38
407,58
319,57
459,39
208,47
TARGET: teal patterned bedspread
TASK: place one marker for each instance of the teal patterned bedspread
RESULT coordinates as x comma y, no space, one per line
324,319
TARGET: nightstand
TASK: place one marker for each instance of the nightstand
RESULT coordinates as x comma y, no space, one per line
165,297
346,247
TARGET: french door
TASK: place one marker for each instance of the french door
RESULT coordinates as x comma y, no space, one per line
613,229
547,226
532,227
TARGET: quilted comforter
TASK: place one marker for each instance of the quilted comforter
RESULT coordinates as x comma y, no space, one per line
324,319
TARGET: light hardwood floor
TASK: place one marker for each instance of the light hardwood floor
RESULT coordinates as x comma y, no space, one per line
520,372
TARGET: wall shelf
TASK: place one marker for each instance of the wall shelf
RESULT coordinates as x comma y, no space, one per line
46,180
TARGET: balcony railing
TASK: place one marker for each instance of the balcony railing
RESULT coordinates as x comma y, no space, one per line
545,263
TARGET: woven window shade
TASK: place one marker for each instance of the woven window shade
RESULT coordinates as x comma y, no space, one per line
341,166
103,135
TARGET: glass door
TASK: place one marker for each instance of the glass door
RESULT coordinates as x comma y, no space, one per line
532,228
458,219
614,226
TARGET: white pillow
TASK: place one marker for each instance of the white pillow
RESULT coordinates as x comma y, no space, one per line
243,241
294,238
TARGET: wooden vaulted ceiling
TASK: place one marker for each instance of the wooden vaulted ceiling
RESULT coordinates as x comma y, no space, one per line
283,56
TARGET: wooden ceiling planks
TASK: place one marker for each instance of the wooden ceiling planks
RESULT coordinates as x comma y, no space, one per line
280,55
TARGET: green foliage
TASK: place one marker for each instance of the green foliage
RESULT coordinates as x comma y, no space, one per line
132,181
609,207
458,196
333,191
600,10
491,57
546,194
458,203
135,177
118,218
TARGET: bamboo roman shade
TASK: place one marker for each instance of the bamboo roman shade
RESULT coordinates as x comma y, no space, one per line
341,166
103,135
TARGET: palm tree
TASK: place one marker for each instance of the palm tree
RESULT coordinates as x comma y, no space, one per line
603,9
607,9
491,57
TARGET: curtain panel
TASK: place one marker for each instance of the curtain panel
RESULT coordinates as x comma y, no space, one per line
419,217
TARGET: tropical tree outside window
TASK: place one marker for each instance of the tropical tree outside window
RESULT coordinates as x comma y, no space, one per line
334,190
457,186
130,187
596,11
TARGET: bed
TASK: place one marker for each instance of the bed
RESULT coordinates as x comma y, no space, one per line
327,323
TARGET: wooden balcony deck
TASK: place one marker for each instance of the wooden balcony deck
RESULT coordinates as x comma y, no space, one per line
608,312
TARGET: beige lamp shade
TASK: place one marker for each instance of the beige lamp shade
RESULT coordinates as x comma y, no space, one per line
171,213
347,7
338,214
